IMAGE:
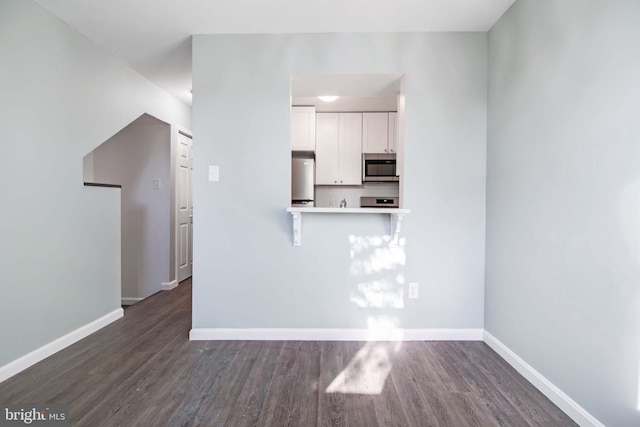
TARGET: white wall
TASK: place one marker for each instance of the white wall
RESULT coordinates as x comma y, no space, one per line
87,168
563,235
134,158
62,96
246,272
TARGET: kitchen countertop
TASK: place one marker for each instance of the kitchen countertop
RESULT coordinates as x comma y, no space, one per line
350,210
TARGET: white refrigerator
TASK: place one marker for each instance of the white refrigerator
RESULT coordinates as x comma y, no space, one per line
302,182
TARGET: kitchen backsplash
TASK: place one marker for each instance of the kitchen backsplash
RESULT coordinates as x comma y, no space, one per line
326,194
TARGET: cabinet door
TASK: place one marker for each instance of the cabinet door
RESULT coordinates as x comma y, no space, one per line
327,148
393,132
375,132
350,149
303,128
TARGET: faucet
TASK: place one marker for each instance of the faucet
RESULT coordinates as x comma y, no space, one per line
343,203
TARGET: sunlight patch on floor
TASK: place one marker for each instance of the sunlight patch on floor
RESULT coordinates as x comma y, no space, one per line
368,370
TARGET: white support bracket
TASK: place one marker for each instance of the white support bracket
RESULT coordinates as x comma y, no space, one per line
395,227
297,228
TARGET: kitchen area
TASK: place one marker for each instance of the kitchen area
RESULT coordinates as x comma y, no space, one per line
346,150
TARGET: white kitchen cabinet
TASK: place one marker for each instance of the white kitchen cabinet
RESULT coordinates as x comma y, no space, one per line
339,149
379,133
375,132
393,133
303,128
351,145
327,148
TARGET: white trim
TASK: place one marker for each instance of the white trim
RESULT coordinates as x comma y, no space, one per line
19,365
167,286
557,396
130,301
264,334
442,334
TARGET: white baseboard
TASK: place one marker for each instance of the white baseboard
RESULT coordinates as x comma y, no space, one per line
557,396
167,286
19,365
130,301
260,334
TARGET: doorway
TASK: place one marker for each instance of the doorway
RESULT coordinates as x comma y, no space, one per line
137,159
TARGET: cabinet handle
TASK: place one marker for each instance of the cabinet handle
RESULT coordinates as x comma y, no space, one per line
340,181
386,151
335,182
392,150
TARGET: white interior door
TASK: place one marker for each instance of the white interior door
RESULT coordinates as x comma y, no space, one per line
185,207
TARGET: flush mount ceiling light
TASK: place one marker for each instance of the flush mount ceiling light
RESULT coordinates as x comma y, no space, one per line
328,98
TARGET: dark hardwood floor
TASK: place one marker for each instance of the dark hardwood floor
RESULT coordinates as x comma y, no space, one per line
143,371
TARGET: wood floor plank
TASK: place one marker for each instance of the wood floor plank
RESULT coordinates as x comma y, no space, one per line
291,398
530,402
159,383
224,393
330,404
502,411
464,410
212,373
362,375
388,408
142,370
248,405
412,383
185,398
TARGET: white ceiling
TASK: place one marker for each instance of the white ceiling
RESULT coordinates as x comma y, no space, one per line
154,36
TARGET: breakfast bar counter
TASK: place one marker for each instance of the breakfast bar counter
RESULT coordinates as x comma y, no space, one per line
396,216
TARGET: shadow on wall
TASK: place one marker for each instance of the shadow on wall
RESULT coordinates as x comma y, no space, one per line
138,159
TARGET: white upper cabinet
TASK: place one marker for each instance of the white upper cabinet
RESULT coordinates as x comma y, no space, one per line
393,133
327,148
379,133
375,132
303,128
351,155
339,149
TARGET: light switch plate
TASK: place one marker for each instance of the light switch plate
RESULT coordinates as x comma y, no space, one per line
413,291
156,184
214,173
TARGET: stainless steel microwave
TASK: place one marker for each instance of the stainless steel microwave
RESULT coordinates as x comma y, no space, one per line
379,168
